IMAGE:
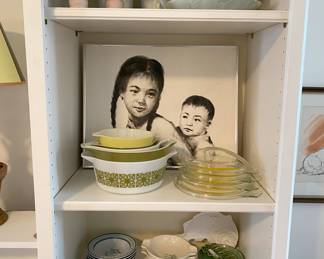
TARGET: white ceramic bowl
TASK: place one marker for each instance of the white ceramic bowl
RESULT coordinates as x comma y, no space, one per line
129,177
168,246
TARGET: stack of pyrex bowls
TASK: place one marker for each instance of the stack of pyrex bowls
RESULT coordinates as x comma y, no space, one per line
128,161
112,246
220,174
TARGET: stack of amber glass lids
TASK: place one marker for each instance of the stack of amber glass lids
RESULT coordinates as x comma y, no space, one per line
218,174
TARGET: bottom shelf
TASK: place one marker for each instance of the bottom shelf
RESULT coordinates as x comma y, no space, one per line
18,231
78,228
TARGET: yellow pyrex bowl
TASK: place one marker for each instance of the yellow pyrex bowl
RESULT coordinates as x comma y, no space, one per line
124,138
129,155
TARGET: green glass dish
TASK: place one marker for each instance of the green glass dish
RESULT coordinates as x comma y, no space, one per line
219,161
218,251
228,172
217,179
221,189
214,194
219,184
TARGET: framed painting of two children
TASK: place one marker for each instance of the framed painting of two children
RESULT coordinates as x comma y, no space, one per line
188,94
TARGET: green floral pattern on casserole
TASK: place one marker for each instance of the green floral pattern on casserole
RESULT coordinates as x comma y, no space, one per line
121,180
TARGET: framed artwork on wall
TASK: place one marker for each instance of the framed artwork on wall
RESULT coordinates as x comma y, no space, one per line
309,185
188,94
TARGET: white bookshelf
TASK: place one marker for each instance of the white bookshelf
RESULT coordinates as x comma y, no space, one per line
81,193
71,207
19,230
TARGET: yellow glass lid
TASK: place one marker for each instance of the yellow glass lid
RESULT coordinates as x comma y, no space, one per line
218,159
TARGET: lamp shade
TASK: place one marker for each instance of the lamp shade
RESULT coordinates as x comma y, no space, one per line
10,72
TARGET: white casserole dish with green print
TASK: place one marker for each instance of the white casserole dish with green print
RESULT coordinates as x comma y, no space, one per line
129,177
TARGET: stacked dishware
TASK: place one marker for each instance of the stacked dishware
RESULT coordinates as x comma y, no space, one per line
128,161
112,246
219,174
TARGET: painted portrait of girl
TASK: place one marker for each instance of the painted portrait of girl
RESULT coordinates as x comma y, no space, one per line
139,85
177,93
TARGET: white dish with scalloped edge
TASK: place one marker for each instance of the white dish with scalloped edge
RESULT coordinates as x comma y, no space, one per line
214,226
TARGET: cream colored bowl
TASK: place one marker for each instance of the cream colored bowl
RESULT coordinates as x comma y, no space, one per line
168,247
124,138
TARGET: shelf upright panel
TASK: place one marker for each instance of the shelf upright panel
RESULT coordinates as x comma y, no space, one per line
34,23
290,126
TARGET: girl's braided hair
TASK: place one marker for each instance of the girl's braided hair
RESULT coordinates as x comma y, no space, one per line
136,66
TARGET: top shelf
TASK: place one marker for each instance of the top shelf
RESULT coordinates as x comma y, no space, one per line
166,20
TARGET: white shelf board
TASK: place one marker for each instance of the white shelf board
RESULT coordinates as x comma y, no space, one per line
19,230
18,254
81,193
188,21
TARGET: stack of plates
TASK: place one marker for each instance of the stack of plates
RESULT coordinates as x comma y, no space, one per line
221,174
112,246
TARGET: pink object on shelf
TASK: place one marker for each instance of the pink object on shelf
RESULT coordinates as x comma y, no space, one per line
114,4
78,3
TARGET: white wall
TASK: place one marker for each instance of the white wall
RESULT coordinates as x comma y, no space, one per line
307,235
307,230
314,53
15,148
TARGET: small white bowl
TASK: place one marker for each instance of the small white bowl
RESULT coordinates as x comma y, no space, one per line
168,246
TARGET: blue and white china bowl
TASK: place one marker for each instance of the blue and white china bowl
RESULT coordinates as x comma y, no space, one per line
112,246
